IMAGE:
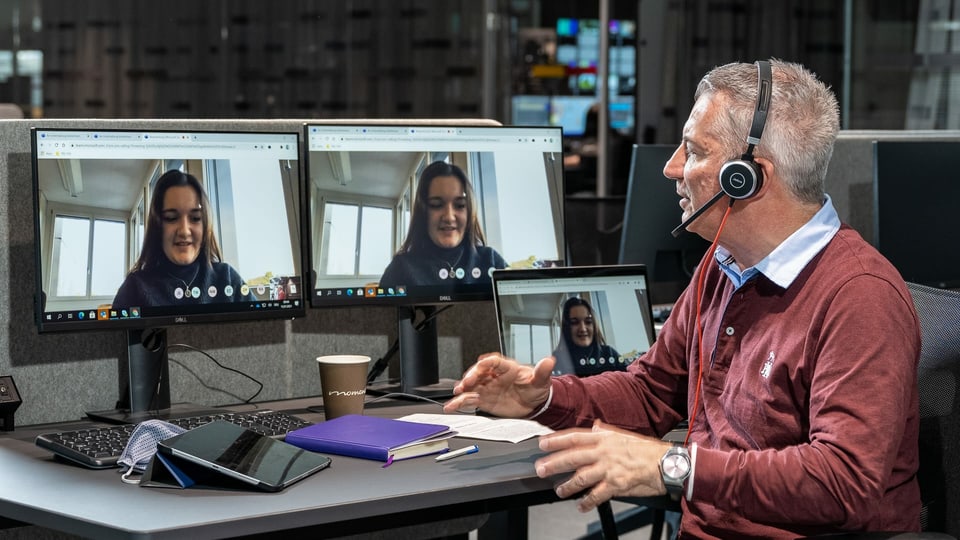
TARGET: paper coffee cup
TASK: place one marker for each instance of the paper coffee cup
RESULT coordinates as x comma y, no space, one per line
343,381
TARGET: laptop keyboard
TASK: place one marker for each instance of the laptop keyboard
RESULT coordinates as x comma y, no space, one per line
101,447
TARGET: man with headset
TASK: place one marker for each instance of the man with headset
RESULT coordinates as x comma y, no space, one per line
793,353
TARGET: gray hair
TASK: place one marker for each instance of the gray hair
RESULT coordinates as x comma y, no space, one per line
801,126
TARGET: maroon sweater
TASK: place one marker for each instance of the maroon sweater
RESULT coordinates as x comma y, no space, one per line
808,419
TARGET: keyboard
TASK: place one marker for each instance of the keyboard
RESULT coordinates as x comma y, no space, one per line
101,447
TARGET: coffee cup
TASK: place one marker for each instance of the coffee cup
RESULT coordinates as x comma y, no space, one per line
343,381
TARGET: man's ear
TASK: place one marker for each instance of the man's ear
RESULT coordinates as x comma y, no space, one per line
767,169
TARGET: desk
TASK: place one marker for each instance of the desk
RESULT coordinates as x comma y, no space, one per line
352,496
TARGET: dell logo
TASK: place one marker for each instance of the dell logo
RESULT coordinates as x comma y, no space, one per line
444,298
180,319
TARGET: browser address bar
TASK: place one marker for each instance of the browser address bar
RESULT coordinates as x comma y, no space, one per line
523,287
154,144
420,139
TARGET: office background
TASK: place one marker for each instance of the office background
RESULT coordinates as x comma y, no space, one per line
219,62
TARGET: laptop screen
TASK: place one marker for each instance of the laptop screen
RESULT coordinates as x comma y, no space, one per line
591,318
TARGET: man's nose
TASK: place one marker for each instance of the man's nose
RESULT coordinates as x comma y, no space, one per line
673,168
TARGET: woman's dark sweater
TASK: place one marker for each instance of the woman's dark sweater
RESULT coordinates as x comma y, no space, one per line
460,265
157,286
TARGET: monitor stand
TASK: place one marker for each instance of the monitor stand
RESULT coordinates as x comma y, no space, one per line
146,394
125,416
419,360
441,390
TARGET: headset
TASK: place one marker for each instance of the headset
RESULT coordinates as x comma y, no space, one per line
742,178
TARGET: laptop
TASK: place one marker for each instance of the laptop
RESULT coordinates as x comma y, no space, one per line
608,313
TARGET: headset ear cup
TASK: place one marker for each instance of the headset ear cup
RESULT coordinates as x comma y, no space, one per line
740,179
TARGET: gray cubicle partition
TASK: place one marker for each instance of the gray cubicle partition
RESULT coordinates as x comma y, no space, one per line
850,175
60,376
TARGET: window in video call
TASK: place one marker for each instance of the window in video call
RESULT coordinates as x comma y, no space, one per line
144,228
492,198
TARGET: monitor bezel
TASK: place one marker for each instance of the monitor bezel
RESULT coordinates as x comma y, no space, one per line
157,321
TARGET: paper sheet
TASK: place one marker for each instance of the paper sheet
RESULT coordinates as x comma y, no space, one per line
483,427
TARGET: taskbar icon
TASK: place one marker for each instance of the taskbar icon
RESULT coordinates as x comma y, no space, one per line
103,313
368,291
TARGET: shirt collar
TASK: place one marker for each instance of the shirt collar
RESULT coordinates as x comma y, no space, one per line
787,260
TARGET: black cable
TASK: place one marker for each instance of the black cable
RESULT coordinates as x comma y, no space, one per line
381,364
214,360
384,361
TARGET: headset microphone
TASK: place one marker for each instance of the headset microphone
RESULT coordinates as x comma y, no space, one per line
683,226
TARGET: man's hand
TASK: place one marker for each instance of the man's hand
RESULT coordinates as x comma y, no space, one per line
502,387
606,462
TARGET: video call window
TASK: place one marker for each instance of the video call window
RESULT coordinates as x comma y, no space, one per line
363,183
94,195
589,323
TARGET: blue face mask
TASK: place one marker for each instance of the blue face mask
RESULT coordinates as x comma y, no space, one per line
143,445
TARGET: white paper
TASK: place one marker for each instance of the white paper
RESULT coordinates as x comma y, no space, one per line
483,427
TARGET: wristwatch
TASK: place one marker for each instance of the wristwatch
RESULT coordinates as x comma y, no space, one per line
675,468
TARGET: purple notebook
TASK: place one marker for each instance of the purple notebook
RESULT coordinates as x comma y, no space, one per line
372,437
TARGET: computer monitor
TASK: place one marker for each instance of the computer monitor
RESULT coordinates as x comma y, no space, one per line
915,209
141,230
362,199
652,212
530,110
570,113
621,113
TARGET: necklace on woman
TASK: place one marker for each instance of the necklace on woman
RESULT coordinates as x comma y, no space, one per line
186,286
451,266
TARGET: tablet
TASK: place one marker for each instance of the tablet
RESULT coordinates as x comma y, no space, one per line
244,455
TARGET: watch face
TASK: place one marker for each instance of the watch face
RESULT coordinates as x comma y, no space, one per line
676,466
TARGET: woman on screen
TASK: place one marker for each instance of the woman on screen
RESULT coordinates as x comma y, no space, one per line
582,348
180,262
444,244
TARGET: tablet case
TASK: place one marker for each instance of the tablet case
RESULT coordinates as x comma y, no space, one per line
222,455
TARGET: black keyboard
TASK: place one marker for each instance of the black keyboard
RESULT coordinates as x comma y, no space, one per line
101,447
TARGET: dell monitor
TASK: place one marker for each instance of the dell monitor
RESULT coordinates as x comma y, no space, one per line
915,209
141,230
418,216
652,211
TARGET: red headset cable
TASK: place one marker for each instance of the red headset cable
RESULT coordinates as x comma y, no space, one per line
703,271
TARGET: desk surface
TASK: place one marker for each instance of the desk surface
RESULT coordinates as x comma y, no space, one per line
351,496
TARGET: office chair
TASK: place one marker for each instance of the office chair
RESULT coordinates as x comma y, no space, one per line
938,378
657,512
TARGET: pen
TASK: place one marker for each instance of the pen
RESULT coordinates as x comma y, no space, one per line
457,453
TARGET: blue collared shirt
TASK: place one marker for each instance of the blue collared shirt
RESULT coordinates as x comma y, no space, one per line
785,262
